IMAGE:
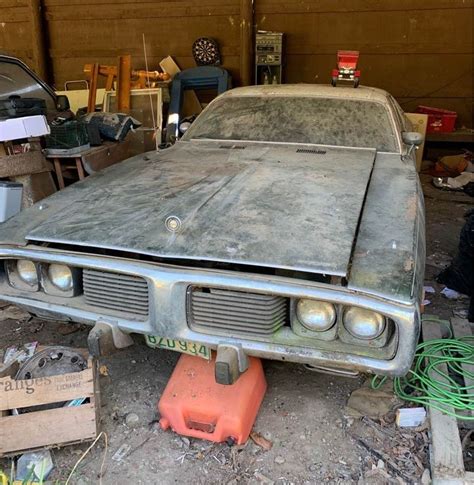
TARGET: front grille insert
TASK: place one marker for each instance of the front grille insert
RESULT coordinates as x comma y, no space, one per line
122,293
213,310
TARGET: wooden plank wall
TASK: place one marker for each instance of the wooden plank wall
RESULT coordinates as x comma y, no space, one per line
422,51
82,31
15,31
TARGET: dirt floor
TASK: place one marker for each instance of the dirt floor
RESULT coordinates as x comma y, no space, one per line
303,415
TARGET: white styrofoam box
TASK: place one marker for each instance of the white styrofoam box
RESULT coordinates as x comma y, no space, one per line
10,199
25,127
410,417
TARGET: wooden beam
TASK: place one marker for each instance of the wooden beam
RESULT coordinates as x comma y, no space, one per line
447,464
124,73
462,328
94,77
39,39
246,41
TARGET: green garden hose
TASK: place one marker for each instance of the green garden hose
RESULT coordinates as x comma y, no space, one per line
427,382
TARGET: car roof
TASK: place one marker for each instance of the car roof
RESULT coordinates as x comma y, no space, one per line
309,90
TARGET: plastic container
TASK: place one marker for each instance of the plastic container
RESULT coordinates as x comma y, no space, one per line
193,404
439,120
33,468
10,199
70,134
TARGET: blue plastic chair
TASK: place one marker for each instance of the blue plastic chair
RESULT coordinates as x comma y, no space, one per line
202,77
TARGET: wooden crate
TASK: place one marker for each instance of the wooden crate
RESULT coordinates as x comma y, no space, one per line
50,427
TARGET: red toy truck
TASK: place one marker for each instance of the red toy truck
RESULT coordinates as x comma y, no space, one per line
346,68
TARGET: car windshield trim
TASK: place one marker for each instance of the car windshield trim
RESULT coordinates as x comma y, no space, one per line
292,143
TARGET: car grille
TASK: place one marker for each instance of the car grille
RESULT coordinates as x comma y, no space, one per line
124,294
212,310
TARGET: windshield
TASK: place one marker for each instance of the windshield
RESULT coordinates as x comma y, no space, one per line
322,121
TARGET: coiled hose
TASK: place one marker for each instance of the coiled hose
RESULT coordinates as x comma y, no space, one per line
427,383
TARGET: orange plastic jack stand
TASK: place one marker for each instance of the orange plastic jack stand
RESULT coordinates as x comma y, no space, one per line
193,404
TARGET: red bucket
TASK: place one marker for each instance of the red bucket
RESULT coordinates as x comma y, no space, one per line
439,120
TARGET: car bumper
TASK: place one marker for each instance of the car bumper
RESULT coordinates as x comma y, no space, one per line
167,316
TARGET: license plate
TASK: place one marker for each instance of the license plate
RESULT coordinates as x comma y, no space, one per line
182,346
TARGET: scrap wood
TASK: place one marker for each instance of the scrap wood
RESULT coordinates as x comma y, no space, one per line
397,448
446,452
386,458
13,313
384,430
259,440
140,445
375,403
68,328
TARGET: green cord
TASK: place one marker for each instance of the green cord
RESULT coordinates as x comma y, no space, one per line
419,387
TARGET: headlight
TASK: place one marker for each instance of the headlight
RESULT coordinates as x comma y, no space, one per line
363,324
60,280
27,272
317,316
22,274
60,276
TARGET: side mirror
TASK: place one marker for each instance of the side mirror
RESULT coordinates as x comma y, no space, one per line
62,103
412,138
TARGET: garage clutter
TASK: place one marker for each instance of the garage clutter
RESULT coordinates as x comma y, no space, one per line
54,142
50,395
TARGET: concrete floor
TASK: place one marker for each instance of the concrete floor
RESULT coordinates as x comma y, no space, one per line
302,414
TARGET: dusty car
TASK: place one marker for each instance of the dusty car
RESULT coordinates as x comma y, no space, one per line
287,223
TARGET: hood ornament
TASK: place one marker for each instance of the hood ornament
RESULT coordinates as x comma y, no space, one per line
173,223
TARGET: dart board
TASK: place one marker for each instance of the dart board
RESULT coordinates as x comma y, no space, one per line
206,52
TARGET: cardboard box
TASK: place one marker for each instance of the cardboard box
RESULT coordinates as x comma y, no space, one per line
419,122
26,127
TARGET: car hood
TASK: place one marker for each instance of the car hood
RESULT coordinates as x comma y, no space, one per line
280,206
